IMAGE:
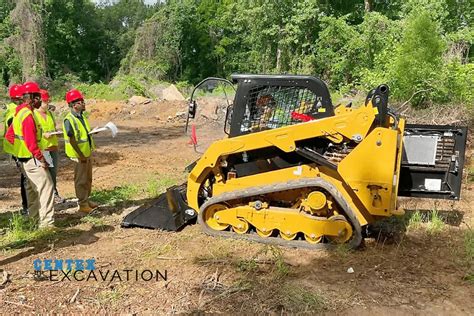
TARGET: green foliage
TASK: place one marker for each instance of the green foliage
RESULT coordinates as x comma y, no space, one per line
300,299
417,63
23,230
436,223
469,245
156,186
116,195
415,221
95,221
416,46
101,91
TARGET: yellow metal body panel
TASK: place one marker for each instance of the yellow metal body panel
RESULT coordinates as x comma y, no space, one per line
287,221
366,178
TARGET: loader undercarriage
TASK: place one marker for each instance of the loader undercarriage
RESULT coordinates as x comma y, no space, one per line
308,213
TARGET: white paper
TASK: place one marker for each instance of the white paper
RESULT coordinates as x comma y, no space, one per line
109,126
48,158
433,184
97,130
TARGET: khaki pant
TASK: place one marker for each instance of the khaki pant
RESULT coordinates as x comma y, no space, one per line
83,181
40,190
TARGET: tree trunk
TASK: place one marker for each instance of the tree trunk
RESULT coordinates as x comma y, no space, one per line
278,59
29,41
368,5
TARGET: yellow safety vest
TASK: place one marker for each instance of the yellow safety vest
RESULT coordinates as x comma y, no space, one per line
19,147
9,114
80,134
47,126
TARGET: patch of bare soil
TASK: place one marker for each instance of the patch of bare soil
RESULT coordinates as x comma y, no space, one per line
423,273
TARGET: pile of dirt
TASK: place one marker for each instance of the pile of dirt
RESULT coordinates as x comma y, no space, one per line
210,109
172,94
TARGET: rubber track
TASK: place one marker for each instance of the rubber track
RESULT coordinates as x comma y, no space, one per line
353,243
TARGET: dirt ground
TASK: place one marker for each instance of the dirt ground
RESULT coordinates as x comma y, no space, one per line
423,273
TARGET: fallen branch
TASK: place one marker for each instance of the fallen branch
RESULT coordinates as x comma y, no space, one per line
19,304
408,101
170,258
6,279
74,297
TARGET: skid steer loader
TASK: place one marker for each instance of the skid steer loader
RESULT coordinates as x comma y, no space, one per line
297,171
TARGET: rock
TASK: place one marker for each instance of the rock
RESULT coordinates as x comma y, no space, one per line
133,112
180,114
172,94
136,99
208,110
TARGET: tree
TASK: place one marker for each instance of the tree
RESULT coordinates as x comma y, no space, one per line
28,41
418,62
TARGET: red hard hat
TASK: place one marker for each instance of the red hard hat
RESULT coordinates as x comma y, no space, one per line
16,91
31,87
73,95
44,95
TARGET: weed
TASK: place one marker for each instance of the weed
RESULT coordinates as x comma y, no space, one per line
23,230
436,223
469,245
116,195
244,284
415,220
156,251
281,268
111,297
96,221
155,186
249,265
342,250
470,175
299,299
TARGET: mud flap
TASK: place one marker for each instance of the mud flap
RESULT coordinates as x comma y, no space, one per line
168,212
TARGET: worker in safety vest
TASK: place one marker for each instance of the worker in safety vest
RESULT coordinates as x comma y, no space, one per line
16,96
49,142
25,135
79,146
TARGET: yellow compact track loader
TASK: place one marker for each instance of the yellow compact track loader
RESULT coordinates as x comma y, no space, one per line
297,171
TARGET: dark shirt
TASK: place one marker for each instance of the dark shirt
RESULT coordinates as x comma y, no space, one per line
70,131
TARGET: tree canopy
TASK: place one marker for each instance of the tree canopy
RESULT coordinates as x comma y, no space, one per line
413,45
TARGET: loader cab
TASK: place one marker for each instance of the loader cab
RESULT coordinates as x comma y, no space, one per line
265,102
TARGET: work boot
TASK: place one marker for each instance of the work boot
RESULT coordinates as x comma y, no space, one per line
58,199
93,205
24,211
85,209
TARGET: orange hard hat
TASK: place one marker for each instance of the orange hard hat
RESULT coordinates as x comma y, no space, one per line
73,95
44,95
16,91
31,87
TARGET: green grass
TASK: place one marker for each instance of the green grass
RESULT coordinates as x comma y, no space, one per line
247,265
301,300
470,175
469,245
95,221
116,195
23,230
157,185
156,251
415,220
436,223
109,297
